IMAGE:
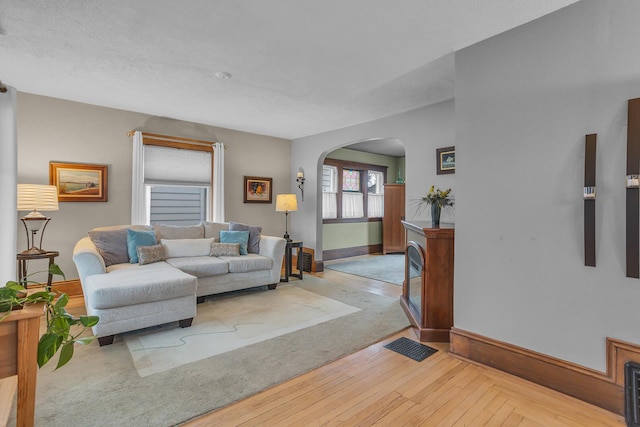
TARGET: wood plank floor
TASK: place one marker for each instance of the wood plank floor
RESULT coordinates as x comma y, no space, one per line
378,387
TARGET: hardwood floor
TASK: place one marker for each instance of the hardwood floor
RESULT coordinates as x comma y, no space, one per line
376,386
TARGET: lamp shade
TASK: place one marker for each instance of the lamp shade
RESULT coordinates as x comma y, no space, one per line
37,197
286,203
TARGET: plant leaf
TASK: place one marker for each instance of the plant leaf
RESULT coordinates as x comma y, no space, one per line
89,321
56,270
66,353
47,347
86,340
15,286
61,301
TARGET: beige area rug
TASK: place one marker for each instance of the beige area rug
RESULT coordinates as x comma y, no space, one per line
101,385
230,322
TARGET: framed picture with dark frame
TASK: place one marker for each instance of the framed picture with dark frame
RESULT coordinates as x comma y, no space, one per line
257,189
446,160
79,182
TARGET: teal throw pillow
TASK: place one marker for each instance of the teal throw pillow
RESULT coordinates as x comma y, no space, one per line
137,238
241,237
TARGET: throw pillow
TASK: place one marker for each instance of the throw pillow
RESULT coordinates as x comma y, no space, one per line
112,245
253,245
179,231
151,254
137,238
225,249
242,237
177,248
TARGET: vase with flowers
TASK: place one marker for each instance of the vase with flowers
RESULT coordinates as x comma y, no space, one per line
437,199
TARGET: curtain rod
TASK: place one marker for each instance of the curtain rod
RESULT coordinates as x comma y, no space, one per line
175,138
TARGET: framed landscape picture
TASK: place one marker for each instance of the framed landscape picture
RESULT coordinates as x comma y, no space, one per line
257,190
78,182
446,160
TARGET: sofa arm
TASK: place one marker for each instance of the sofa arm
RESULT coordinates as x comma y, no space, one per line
273,247
87,259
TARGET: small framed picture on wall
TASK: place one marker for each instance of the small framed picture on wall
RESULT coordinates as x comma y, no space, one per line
79,182
445,160
257,190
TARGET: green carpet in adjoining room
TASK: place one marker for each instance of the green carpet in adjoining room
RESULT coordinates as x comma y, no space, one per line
101,386
386,268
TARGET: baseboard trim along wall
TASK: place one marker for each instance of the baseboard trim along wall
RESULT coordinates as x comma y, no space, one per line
69,287
353,251
603,389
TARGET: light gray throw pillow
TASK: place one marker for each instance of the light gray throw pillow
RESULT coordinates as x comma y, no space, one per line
253,246
178,231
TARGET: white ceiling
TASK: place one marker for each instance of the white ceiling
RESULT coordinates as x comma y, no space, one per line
299,67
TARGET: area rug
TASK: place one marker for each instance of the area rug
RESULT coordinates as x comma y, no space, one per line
230,322
386,268
101,386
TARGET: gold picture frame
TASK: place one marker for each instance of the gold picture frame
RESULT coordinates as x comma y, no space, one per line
79,182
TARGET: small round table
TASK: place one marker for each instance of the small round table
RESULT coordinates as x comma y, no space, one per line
22,265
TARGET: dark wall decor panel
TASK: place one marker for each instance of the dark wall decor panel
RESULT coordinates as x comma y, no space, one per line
633,196
590,201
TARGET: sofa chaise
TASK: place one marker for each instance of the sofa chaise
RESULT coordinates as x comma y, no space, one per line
132,283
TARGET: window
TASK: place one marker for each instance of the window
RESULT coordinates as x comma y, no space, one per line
352,191
172,180
176,204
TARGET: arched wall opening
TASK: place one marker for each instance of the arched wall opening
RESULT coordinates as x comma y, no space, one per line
338,239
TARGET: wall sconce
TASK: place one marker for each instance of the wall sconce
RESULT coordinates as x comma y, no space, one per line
34,198
300,180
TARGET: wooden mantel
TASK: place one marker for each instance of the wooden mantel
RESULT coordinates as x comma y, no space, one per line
427,299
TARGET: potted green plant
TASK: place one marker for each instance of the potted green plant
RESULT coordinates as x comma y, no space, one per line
438,200
63,329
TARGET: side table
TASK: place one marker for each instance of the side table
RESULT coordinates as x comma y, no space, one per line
22,265
288,257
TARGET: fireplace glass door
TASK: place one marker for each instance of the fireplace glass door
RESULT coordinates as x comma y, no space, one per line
413,271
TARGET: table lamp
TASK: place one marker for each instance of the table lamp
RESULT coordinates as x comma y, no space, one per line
286,203
35,198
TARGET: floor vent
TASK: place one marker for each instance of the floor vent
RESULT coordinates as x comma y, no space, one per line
632,394
411,349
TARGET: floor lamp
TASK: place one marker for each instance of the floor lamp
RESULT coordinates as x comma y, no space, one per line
286,203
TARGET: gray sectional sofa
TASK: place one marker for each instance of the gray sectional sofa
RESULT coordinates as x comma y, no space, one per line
170,276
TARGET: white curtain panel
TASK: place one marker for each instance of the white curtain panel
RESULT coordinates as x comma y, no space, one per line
8,185
138,200
352,205
216,212
376,205
329,205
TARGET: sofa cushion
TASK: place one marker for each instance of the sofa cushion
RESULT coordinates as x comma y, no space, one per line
137,238
253,245
129,284
111,242
176,248
151,254
212,229
225,249
241,237
250,262
179,231
201,266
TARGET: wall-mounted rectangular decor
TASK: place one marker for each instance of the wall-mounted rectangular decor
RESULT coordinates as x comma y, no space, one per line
590,200
445,160
257,190
79,182
633,196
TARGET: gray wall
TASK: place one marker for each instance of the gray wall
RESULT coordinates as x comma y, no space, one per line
421,131
56,130
524,102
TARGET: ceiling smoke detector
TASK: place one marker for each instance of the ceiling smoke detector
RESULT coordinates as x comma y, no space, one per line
223,75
